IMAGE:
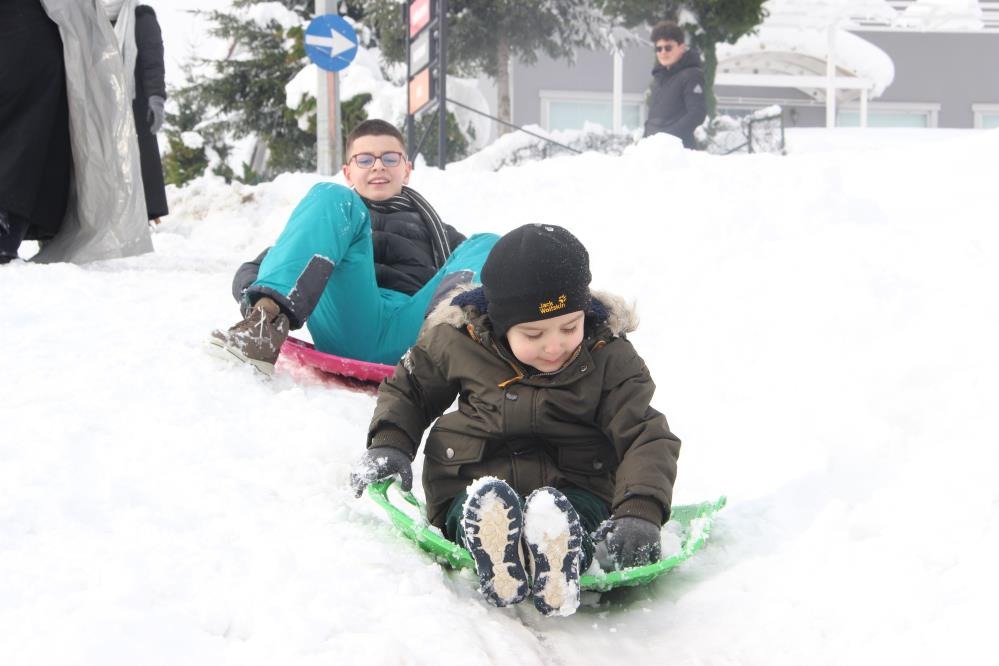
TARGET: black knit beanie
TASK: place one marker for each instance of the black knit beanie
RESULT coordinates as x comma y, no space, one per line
537,271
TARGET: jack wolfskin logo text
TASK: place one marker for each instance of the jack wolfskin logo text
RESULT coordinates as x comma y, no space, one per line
550,306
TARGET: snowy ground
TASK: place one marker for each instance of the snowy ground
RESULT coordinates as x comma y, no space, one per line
822,329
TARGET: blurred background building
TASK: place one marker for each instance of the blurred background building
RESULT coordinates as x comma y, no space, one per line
883,63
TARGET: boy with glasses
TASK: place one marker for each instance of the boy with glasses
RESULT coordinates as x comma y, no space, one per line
358,266
676,102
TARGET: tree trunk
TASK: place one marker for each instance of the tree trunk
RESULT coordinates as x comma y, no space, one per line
503,83
710,68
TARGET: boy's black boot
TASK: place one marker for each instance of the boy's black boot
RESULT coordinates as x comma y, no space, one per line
554,538
493,522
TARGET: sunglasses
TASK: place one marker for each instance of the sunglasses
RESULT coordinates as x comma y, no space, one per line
367,160
665,47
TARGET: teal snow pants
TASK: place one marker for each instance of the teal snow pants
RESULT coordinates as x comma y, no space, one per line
353,316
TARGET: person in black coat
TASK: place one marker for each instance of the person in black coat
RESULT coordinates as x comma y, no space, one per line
35,155
150,95
676,104
144,43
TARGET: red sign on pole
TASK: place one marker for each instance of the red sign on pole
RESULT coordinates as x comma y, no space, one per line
419,16
419,91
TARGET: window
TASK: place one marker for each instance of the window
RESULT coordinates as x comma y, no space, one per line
562,110
890,114
986,116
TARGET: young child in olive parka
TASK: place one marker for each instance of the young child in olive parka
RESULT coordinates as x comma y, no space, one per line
553,405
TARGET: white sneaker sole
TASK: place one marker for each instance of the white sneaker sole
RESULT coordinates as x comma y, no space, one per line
554,540
493,522
219,350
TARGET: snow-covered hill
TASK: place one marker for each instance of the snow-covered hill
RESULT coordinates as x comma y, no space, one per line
822,330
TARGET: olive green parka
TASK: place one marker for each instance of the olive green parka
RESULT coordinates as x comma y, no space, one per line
590,425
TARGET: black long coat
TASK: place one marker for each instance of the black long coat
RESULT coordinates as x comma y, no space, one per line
35,155
676,104
149,80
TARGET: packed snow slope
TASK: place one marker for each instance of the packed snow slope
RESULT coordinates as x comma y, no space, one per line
822,329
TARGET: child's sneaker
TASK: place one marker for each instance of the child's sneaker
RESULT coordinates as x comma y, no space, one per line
493,522
554,538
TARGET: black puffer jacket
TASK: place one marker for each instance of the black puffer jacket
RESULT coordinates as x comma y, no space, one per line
677,105
403,253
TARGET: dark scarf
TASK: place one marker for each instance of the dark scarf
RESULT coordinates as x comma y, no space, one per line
411,200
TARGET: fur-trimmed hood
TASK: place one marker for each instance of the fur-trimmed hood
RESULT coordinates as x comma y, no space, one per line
618,315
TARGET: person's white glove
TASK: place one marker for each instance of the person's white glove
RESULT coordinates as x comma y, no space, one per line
156,114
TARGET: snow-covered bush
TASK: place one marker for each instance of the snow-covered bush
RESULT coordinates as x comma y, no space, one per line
529,146
761,131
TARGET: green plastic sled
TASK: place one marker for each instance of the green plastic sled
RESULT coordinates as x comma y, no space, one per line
692,520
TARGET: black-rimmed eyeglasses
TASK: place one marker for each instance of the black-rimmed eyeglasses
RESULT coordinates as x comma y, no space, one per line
367,160
664,48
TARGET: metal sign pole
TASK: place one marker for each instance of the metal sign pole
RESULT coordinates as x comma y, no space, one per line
410,129
325,153
335,120
339,43
442,84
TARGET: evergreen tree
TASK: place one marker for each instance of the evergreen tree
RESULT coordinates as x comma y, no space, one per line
188,158
184,162
483,35
707,23
246,95
457,141
243,95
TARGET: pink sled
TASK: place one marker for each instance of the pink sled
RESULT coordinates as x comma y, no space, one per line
306,354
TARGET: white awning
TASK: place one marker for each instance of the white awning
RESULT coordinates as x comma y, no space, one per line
803,55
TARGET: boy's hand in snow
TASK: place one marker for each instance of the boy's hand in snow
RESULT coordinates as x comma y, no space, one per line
627,541
381,462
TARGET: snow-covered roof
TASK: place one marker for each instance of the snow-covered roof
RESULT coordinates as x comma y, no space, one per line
805,51
923,15
942,15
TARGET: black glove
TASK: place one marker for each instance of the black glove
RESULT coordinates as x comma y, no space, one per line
381,462
155,114
627,542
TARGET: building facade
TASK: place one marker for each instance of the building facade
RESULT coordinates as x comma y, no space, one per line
946,74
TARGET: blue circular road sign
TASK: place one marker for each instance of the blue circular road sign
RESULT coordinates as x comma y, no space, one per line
330,42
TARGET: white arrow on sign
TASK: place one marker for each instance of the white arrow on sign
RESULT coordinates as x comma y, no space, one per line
336,43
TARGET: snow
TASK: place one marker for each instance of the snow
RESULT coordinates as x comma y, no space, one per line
943,15
821,328
192,139
822,13
185,34
264,13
